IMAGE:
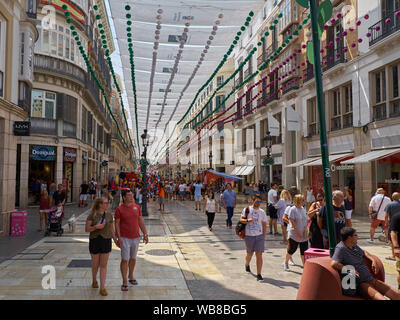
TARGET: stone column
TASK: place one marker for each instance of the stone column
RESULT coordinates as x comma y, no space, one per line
24,176
78,176
8,159
59,165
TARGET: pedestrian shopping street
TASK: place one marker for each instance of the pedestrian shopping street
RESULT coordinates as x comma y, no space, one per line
183,260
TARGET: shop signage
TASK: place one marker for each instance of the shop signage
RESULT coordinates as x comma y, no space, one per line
392,181
342,167
43,153
69,154
22,128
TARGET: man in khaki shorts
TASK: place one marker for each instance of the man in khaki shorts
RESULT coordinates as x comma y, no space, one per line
128,220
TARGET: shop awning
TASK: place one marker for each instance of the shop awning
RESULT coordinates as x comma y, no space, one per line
236,170
248,170
370,156
301,162
332,158
224,175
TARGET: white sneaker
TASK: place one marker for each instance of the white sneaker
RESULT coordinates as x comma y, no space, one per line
370,240
291,262
286,267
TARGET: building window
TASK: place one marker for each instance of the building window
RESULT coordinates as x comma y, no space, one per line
379,109
342,107
285,9
220,80
312,117
336,123
348,107
220,106
43,104
394,91
58,41
1,84
22,51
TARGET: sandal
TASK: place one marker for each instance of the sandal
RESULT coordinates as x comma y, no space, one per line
133,282
103,292
95,285
124,288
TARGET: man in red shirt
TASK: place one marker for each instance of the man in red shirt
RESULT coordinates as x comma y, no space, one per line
128,220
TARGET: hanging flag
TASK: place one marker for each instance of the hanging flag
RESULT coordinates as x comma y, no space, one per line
273,126
293,119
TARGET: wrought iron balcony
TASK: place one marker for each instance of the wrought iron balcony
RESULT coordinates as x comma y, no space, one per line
384,28
290,86
333,58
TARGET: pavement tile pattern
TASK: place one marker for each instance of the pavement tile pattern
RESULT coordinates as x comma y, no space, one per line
182,261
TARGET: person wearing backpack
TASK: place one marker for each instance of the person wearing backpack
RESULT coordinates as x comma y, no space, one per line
255,220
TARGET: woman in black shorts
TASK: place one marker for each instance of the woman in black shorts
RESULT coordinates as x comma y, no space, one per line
100,224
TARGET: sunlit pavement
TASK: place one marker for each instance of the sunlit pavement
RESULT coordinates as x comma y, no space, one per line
183,260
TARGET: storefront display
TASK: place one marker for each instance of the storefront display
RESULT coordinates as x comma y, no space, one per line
42,164
70,155
388,173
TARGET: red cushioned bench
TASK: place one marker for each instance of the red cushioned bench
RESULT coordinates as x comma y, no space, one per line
321,282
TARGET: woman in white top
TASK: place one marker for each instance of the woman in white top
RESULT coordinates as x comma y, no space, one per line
285,199
210,207
310,198
297,230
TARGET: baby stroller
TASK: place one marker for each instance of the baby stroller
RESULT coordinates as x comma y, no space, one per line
54,223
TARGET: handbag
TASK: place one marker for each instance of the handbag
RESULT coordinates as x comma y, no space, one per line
374,214
241,227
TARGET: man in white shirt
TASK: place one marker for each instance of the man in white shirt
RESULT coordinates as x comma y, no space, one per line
377,206
271,210
256,227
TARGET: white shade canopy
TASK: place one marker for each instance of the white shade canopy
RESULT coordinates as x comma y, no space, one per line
177,45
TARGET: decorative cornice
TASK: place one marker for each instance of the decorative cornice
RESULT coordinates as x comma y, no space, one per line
13,108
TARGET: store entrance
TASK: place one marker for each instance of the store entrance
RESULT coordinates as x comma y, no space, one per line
39,172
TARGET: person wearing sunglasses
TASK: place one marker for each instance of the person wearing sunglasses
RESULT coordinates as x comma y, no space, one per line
255,220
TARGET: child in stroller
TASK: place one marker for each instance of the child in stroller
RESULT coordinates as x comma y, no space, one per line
56,215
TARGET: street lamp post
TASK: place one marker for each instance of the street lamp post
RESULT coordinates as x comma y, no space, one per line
189,163
267,160
145,140
322,127
210,158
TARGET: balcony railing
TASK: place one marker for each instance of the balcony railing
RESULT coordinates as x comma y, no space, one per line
55,65
384,28
290,86
44,126
264,56
334,58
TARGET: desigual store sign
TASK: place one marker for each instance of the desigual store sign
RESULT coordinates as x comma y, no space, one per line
69,154
43,153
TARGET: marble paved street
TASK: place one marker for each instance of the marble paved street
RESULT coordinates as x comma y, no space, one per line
183,260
